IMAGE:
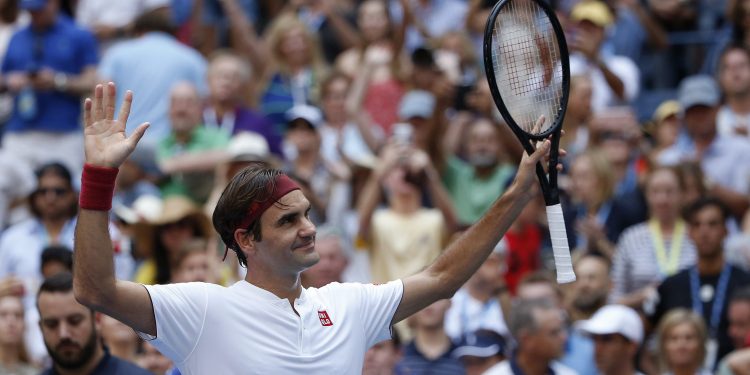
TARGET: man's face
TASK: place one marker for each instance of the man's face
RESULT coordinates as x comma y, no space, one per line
548,341
433,315
739,322
303,136
70,330
734,73
45,16
225,79
612,352
331,265
707,230
195,267
700,121
288,236
53,197
592,284
185,109
483,145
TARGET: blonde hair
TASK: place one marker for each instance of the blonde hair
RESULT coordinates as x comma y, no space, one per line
604,176
673,319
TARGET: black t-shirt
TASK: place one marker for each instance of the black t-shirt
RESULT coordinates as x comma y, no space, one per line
675,292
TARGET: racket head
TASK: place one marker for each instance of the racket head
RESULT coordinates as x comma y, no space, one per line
527,66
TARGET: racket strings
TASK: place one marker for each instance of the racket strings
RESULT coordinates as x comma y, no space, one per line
527,65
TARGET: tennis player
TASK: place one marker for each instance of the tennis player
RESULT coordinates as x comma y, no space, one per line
267,323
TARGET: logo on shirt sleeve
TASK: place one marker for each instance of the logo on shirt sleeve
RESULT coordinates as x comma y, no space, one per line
325,320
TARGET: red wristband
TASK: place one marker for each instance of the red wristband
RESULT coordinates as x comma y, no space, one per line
97,187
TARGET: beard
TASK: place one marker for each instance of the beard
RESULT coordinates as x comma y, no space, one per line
78,358
590,302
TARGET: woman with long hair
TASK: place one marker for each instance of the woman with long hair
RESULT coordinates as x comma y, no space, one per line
13,357
682,336
651,251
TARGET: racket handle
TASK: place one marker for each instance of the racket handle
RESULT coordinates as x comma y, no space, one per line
560,249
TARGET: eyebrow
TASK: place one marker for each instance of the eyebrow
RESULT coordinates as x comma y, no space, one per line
292,215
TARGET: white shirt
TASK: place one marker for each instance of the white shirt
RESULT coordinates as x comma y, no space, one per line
503,368
727,121
602,95
467,315
209,329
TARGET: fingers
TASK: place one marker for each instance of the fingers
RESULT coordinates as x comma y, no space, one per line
138,134
538,125
541,151
109,101
98,102
125,109
87,113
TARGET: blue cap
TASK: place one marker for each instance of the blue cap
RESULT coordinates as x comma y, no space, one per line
32,4
483,344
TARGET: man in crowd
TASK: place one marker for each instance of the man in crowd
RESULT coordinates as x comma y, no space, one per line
734,78
47,82
431,350
617,332
333,259
71,333
707,286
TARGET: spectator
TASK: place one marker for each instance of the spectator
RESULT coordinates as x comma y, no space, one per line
665,127
378,65
539,330
159,241
121,341
682,336
431,351
194,263
323,182
56,259
615,79
332,22
152,78
334,259
651,251
480,350
13,357
591,288
475,183
738,315
617,332
710,282
110,21
722,158
733,118
477,305
403,237
382,357
47,83
428,20
190,152
72,333
228,80
294,69
152,360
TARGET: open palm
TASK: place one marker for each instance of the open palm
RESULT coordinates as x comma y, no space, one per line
105,142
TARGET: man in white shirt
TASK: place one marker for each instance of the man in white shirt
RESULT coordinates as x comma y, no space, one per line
734,77
267,323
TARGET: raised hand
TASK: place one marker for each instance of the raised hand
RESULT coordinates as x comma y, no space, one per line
105,142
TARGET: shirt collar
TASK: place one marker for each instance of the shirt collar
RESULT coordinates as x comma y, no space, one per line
266,296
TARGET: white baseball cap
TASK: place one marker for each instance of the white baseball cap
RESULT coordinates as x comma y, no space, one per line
615,319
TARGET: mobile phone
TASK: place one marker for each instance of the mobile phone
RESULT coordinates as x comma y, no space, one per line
403,133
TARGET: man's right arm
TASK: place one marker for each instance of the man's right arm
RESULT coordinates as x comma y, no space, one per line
94,282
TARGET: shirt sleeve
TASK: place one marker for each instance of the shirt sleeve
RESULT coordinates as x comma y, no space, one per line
180,311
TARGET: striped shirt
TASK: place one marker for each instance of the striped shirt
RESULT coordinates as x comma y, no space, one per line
635,264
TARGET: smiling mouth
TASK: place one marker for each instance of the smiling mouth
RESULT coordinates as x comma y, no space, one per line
305,246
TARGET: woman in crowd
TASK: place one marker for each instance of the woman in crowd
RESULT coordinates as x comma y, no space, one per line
682,337
13,357
651,251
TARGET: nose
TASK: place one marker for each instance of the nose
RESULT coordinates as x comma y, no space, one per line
64,330
308,228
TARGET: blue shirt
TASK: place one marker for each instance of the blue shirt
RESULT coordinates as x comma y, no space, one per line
415,363
110,365
149,66
63,47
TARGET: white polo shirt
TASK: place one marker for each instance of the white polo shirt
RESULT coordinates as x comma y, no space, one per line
209,329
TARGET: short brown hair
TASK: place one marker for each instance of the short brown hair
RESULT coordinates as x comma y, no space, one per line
256,183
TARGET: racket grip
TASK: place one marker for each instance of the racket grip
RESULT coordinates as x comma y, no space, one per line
563,263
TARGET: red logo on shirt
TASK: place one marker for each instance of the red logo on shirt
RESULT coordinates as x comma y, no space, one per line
324,319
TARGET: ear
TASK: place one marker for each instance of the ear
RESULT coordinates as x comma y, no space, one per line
245,240
97,321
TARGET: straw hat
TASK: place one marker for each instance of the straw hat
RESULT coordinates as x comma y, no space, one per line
174,209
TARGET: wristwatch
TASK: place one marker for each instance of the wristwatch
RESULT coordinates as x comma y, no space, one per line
61,81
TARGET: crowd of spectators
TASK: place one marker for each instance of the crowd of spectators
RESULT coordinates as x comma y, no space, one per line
380,110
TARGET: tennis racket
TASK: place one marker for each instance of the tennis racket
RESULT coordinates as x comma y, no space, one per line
526,61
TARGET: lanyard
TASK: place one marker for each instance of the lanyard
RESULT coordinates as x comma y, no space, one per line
719,297
667,266
227,121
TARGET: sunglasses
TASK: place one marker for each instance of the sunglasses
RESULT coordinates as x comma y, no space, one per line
58,191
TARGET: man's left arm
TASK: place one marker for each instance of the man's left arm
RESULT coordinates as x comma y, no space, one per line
464,256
